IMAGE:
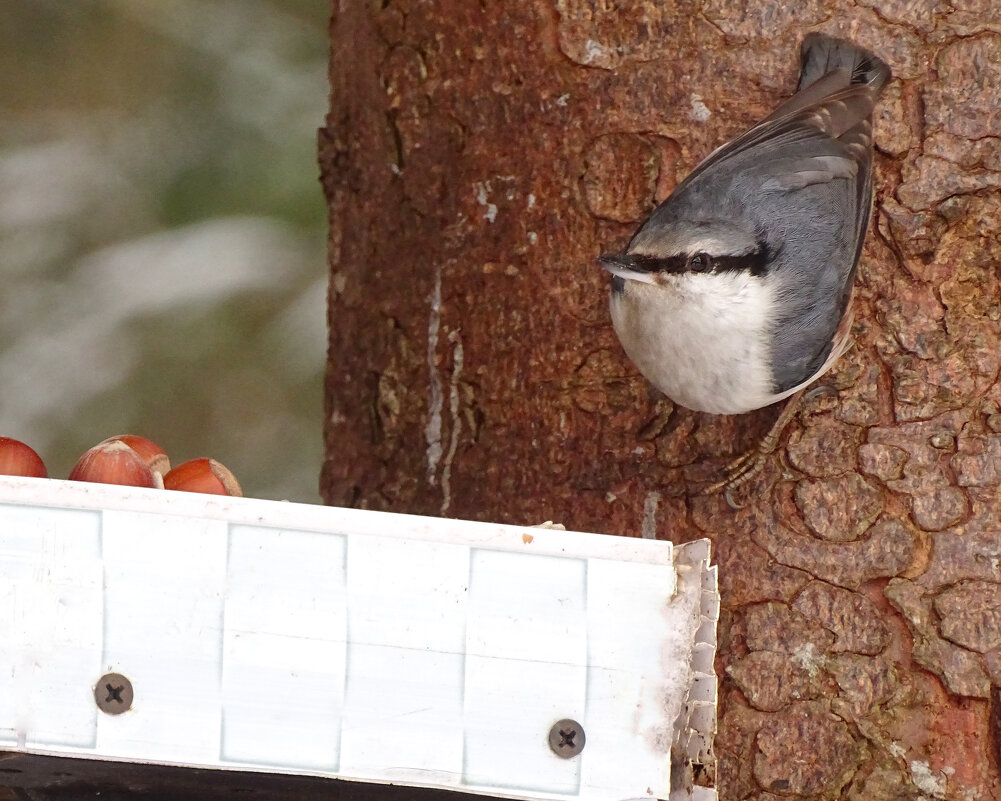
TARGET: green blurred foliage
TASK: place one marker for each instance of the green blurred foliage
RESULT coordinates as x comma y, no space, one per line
143,141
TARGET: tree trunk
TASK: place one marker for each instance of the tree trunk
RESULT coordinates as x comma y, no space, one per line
477,158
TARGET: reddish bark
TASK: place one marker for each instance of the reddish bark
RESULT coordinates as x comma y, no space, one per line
478,156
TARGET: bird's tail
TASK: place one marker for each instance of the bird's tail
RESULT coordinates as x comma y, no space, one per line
836,70
822,55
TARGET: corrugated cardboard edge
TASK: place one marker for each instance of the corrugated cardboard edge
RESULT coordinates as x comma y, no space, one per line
693,761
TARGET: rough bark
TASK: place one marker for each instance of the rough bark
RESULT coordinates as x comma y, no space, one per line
478,156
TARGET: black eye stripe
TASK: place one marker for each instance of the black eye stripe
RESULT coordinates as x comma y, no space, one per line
654,264
756,262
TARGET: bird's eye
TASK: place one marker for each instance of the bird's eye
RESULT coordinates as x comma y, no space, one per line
700,263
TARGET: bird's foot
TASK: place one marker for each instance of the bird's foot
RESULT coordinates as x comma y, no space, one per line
747,466
736,474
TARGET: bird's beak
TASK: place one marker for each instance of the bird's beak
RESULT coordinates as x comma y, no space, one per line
619,264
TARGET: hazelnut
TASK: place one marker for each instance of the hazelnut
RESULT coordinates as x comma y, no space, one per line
202,475
17,459
113,462
151,453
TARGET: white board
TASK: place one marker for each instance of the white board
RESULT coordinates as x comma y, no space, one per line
289,638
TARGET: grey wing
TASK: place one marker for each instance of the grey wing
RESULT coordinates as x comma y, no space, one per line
823,132
802,179
804,337
825,138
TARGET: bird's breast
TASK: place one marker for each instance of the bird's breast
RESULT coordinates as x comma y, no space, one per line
702,339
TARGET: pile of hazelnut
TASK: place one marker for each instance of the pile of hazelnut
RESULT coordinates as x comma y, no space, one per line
126,459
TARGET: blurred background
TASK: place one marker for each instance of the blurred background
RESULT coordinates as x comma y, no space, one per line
162,261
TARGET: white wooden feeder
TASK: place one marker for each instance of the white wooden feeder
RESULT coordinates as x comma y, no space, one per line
147,627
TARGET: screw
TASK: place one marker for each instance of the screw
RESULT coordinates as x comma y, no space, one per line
566,738
113,693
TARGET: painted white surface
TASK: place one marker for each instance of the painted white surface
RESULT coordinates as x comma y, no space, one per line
283,657
304,639
51,624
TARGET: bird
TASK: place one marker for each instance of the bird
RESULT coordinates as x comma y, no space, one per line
735,292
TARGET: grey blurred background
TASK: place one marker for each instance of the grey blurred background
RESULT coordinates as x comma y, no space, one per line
162,263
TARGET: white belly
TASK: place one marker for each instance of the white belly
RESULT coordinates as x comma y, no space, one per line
700,339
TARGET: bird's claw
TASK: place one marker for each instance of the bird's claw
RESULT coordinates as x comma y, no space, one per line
748,465
735,475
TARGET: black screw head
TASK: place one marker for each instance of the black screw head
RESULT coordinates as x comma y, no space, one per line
113,693
566,738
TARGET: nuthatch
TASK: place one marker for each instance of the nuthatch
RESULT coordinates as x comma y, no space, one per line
735,292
